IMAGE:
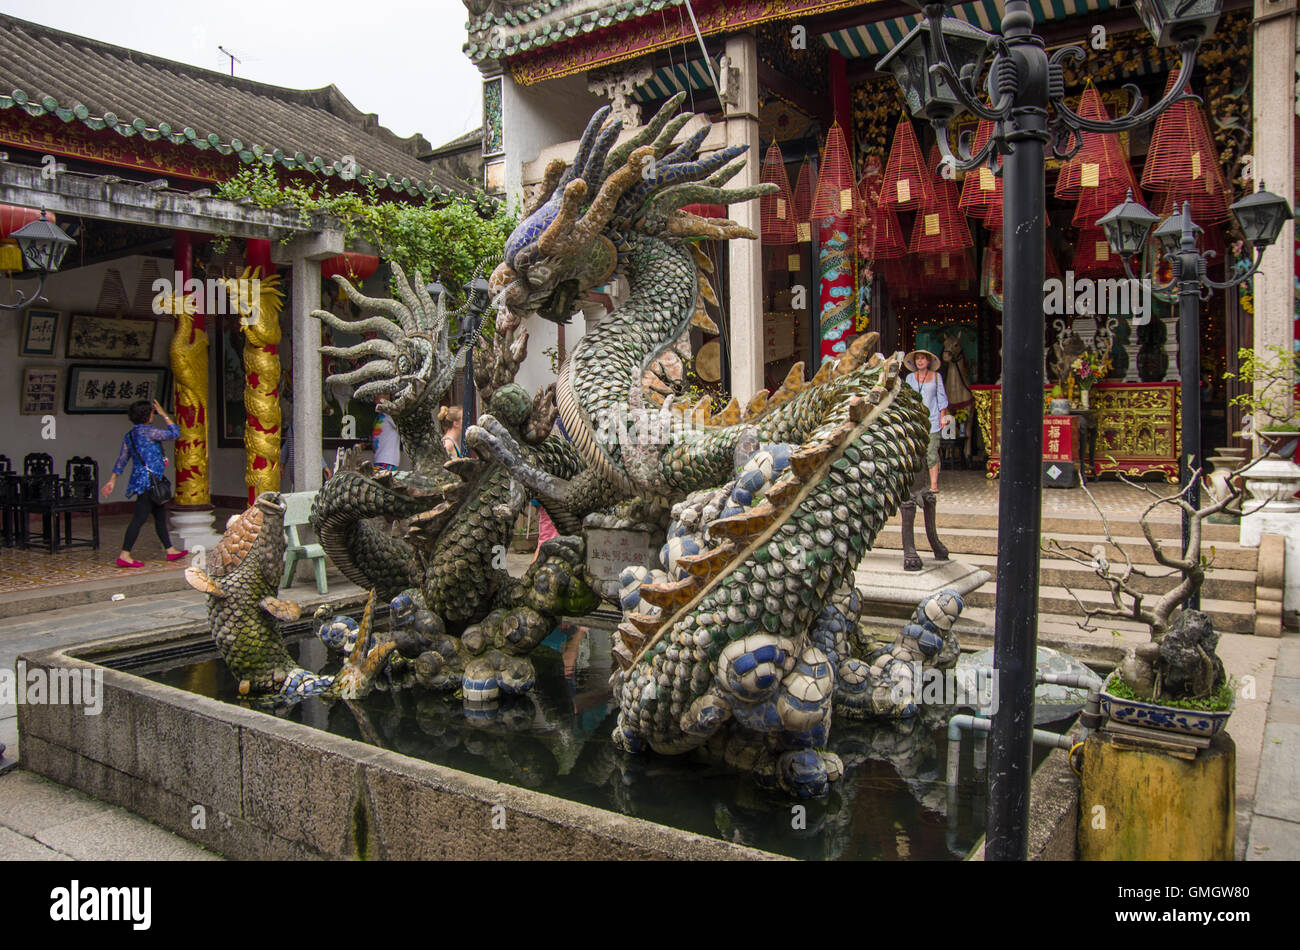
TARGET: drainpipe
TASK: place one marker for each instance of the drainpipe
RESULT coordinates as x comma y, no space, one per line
976,724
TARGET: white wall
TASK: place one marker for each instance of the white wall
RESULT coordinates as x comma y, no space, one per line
536,116
99,436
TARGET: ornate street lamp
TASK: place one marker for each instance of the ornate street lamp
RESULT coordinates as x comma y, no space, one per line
43,244
1260,217
1026,101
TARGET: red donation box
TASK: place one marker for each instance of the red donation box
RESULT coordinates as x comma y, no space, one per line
1059,438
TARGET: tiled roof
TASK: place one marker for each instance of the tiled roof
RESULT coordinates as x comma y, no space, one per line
49,72
471,139
553,21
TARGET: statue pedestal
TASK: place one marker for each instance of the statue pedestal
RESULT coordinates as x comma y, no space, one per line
1273,509
193,527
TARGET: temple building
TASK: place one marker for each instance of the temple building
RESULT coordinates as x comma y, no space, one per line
868,234
124,151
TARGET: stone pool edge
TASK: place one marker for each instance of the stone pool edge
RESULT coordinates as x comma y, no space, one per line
251,786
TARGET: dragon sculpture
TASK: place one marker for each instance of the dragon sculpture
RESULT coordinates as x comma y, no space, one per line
730,651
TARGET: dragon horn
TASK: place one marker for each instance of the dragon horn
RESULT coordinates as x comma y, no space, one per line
394,309
407,294
559,229
678,195
615,186
554,169
649,131
585,144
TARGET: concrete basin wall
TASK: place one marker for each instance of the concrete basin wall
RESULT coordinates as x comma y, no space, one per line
250,785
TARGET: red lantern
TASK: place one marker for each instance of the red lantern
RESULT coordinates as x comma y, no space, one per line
350,264
13,217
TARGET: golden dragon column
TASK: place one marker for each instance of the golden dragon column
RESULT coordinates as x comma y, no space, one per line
189,362
259,301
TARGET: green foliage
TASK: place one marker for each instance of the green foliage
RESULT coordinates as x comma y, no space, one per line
446,237
1220,700
1272,377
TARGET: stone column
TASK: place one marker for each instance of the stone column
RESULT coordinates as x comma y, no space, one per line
1274,96
304,256
745,289
1273,509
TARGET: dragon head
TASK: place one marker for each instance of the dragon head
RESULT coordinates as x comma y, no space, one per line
573,235
408,356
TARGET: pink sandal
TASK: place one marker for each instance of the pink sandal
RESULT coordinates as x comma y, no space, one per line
122,563
178,555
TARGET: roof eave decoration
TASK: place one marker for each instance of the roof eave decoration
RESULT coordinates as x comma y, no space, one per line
540,46
248,154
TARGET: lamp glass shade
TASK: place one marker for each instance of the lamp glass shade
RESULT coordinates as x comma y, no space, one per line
910,61
1170,234
1261,216
477,291
1128,226
1170,21
43,244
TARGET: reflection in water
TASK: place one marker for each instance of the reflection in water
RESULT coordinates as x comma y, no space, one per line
892,803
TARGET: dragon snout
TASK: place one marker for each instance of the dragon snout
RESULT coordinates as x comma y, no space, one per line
271,501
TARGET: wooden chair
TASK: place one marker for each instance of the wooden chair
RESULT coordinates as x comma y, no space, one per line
297,511
79,495
38,463
9,496
40,496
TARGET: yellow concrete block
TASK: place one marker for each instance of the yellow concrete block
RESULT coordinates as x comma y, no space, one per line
1150,805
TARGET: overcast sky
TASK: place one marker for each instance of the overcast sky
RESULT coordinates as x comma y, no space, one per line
401,59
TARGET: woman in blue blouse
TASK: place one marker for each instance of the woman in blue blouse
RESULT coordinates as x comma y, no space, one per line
141,445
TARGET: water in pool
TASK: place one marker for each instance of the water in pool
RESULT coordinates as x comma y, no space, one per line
892,803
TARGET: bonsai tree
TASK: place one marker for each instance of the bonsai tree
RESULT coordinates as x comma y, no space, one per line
1272,376
1179,665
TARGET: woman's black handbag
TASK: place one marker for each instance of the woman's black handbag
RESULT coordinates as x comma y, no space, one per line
160,487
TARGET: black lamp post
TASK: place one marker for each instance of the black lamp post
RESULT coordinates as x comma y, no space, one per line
476,302
939,69
43,244
1127,226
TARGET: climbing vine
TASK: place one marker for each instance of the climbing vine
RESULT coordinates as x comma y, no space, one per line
445,237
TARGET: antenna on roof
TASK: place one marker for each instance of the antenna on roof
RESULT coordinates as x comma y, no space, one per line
233,58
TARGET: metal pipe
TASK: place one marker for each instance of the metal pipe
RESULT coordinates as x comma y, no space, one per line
1020,487
956,724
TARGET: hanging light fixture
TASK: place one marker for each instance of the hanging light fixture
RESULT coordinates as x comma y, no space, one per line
42,244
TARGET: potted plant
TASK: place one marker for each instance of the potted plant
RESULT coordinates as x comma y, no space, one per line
1272,376
1176,682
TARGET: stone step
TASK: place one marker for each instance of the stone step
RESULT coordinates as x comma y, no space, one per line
1221,584
1120,524
964,540
1228,616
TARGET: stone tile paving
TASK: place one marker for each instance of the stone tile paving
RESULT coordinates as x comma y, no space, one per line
971,491
1275,827
43,821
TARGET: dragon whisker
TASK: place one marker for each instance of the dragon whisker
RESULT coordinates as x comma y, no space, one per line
369,371
371,324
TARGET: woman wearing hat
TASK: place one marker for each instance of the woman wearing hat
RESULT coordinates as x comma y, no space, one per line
925,379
